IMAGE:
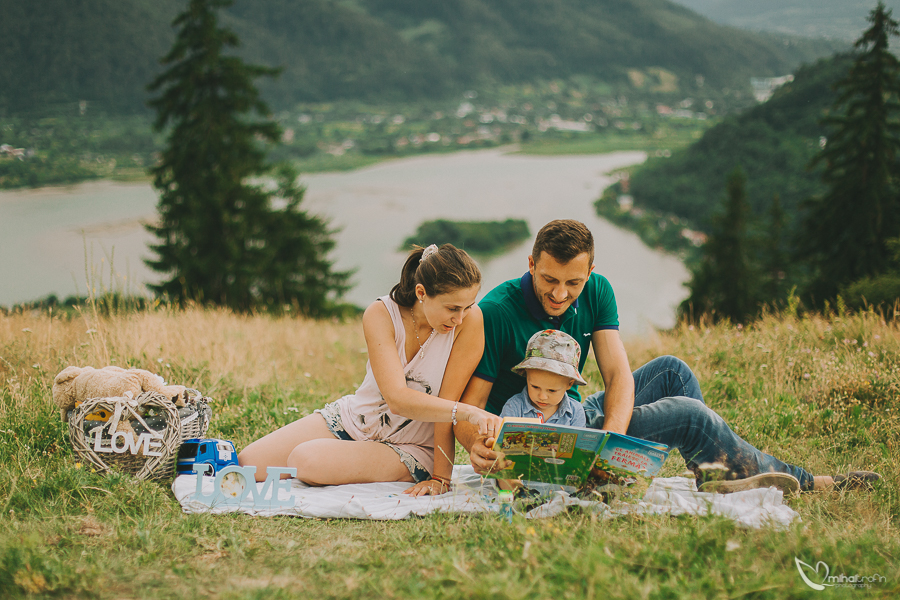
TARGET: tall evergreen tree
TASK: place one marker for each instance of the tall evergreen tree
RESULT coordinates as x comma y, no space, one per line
774,255
220,239
725,285
845,231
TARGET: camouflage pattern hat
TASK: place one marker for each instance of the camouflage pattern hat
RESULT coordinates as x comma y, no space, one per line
554,351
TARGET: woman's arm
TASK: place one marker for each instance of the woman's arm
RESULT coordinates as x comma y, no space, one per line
416,405
444,451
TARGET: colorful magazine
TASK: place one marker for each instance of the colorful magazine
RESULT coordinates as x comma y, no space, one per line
565,455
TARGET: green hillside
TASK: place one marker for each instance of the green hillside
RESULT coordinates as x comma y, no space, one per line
838,19
105,51
56,51
773,142
521,39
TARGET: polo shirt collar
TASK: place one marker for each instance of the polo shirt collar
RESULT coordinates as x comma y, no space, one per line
534,305
565,408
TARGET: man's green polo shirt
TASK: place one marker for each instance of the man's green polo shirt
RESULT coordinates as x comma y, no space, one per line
512,314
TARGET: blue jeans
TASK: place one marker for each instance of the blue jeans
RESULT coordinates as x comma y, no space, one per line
669,408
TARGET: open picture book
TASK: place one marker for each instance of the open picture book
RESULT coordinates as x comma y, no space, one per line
565,455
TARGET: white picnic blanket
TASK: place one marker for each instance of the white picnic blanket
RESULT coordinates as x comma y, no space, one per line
472,494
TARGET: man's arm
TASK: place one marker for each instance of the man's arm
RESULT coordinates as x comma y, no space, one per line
481,456
617,379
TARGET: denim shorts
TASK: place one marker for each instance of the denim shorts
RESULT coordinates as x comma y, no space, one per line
331,412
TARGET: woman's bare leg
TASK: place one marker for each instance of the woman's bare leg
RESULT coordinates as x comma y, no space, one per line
336,462
320,458
273,450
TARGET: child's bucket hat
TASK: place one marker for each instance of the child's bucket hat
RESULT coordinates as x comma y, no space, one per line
554,351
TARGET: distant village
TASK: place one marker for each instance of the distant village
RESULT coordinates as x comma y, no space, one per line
470,125
7,151
85,144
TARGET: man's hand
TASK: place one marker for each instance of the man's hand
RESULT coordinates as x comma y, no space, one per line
483,459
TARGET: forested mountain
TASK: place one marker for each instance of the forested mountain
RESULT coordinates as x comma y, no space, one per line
105,51
838,19
773,143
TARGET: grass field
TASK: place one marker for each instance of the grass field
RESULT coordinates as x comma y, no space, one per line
821,392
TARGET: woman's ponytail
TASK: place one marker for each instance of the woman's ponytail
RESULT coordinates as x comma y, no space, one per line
404,293
445,269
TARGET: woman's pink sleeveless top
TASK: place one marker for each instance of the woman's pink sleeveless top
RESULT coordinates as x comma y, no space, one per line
366,415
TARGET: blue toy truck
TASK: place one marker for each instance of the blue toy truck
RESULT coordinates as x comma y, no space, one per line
214,453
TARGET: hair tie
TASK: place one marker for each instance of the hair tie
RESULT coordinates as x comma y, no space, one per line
432,249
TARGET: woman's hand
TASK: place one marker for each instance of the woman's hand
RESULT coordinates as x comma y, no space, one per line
488,424
429,487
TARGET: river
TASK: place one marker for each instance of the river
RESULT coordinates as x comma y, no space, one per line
58,240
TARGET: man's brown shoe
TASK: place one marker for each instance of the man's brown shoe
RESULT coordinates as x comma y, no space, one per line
856,480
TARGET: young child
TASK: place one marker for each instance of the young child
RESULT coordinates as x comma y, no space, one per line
550,368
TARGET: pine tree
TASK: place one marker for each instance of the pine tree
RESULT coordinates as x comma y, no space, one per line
774,256
219,238
845,231
725,285
294,269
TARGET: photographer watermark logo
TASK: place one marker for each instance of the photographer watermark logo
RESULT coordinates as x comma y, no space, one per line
820,577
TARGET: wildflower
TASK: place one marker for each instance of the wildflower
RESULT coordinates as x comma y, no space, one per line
77,465
530,531
806,376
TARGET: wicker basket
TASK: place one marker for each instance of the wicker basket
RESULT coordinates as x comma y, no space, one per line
140,436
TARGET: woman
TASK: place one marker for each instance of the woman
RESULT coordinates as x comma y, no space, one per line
424,341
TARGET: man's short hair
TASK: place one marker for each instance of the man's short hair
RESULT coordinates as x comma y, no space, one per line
564,239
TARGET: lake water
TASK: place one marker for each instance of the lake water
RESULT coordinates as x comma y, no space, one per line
57,240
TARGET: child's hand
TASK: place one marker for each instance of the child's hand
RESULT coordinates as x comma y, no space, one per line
429,487
509,484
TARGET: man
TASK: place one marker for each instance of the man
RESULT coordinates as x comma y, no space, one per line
661,401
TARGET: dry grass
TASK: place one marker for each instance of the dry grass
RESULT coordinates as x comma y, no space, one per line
211,346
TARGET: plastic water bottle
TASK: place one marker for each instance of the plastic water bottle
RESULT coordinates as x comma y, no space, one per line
506,501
